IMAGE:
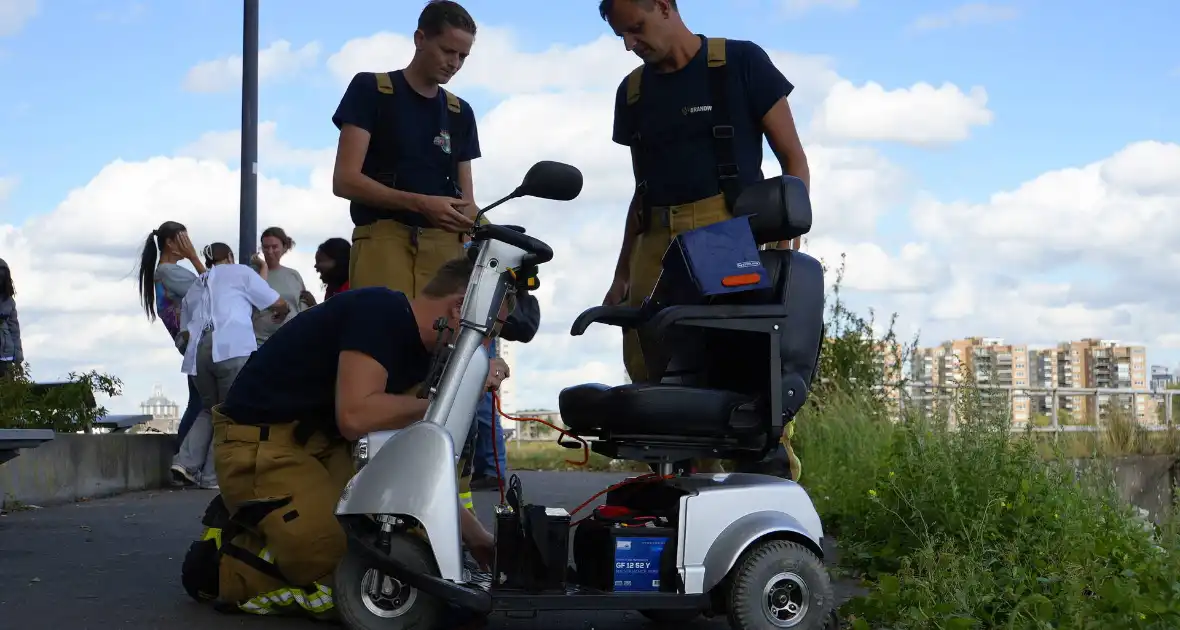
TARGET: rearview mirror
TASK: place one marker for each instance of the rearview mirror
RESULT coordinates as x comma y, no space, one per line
551,180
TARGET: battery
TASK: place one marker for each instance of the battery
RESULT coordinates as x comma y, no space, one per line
549,530
510,568
625,554
639,558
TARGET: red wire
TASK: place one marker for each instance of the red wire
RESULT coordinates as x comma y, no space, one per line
495,448
585,459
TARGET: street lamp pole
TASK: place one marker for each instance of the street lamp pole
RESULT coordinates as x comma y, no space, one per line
248,218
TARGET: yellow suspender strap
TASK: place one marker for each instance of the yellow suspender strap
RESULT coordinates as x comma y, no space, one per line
716,51
716,58
384,83
385,86
633,81
452,101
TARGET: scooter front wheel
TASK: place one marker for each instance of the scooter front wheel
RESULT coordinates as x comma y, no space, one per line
368,600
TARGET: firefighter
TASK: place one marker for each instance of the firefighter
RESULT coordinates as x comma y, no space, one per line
694,115
404,162
283,437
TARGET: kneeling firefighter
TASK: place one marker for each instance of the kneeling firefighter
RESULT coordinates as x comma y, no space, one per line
695,132
283,441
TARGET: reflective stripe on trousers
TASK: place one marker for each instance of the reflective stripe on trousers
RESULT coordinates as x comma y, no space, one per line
280,601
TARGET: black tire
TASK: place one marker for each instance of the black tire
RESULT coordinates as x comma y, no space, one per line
420,610
670,618
785,573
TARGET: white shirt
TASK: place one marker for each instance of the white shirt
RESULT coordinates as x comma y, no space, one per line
227,296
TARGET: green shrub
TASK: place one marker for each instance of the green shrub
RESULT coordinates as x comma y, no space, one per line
67,407
970,526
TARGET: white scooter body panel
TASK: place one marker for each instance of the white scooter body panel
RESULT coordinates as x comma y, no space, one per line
411,472
723,514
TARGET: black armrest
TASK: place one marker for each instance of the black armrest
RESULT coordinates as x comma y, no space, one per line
673,314
621,316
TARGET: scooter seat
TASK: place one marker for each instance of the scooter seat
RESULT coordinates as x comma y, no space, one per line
657,410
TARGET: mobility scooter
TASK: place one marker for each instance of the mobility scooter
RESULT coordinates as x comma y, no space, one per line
731,353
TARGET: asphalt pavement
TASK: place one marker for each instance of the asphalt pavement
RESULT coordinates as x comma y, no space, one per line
115,563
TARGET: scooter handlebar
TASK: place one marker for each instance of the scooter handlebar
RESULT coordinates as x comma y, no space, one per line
539,251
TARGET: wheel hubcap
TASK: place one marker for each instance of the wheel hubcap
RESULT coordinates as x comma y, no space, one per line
785,600
386,597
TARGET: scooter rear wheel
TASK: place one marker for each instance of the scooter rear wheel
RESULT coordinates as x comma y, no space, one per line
780,584
390,605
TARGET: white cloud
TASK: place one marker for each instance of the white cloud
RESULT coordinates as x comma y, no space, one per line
852,187
497,64
1124,209
965,15
226,146
813,76
1077,252
920,115
14,14
870,268
276,62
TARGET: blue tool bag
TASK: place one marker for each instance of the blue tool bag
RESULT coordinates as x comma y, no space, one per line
707,262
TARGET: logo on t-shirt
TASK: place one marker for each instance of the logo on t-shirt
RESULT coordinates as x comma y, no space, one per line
443,141
696,110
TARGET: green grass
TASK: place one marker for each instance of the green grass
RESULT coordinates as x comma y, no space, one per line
978,528
550,456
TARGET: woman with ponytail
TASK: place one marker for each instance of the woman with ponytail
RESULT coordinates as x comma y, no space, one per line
162,286
218,330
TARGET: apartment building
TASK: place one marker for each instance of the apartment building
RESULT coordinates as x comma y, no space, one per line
1043,373
981,360
1112,365
506,350
535,431
1161,378
1088,363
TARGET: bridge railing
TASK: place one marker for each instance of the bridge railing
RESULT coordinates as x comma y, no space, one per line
1064,409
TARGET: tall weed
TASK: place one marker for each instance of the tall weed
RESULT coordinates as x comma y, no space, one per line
967,526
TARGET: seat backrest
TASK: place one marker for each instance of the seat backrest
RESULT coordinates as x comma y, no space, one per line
739,360
735,354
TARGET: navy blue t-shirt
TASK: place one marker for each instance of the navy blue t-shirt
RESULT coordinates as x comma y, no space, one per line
292,377
422,134
676,123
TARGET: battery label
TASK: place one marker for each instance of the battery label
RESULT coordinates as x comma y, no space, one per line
637,563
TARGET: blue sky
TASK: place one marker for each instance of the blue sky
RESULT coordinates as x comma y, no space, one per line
87,82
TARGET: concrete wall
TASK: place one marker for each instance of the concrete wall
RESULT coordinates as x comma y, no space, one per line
77,466
1147,482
